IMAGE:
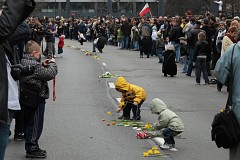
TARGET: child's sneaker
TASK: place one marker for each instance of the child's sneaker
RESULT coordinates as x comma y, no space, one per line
167,146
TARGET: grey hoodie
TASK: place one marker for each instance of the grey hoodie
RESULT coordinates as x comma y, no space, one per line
167,118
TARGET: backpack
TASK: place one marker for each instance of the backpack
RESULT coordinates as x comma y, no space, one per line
225,129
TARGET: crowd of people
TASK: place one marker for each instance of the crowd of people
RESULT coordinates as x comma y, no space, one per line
195,41
147,35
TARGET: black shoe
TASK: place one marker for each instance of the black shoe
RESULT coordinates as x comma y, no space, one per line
165,75
188,75
36,154
121,117
147,56
100,50
41,150
124,118
137,118
219,88
19,137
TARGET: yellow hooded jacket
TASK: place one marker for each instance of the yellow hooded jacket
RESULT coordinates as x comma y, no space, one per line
133,93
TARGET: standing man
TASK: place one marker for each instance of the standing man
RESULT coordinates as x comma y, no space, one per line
174,35
13,13
222,71
145,38
37,31
220,3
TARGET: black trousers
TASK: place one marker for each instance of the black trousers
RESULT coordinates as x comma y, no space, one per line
19,122
135,109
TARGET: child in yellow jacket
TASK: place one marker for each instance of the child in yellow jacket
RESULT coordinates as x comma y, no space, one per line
132,98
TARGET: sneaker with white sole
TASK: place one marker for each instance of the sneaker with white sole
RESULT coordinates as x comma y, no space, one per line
170,147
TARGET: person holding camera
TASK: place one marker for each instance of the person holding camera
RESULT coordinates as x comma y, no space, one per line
34,115
13,13
37,31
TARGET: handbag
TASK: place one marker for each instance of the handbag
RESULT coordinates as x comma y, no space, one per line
29,96
225,126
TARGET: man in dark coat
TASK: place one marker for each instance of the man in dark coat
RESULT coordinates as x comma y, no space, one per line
13,13
174,35
192,38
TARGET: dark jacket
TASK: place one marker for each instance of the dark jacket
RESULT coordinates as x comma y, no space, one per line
41,74
175,33
13,13
38,34
101,42
126,29
192,36
201,49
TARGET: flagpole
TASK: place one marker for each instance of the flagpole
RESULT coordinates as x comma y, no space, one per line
150,14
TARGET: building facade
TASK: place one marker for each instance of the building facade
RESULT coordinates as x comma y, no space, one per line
95,8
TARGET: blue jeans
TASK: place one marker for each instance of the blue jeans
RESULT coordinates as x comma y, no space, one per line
201,67
94,47
190,64
160,54
153,48
4,133
125,40
33,120
185,66
177,50
135,45
168,136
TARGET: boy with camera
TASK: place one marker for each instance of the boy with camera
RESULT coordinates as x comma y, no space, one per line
34,115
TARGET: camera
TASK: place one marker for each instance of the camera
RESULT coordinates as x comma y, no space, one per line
17,71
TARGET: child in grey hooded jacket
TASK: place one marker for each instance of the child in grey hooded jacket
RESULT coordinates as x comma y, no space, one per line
171,124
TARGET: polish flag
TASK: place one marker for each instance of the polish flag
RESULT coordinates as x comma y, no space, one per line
145,10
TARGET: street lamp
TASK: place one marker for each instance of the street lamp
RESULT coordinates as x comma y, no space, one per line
55,7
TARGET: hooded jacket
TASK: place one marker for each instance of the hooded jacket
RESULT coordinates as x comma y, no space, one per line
132,92
13,14
167,118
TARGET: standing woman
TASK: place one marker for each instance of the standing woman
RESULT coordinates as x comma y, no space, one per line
227,41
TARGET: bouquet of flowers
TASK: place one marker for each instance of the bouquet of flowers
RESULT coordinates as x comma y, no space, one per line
145,135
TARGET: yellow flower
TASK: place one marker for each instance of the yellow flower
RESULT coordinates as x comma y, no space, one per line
221,110
109,113
148,125
154,148
150,151
156,152
145,154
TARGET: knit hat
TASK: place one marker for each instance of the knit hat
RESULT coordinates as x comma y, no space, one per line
154,28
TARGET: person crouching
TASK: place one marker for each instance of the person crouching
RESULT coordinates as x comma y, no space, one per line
99,43
170,124
132,98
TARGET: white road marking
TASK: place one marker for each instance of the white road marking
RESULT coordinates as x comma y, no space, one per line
111,85
119,100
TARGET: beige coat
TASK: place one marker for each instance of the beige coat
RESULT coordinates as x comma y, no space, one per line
226,42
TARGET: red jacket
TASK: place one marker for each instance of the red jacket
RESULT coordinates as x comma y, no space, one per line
61,42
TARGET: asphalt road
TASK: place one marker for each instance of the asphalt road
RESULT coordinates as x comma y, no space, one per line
73,127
